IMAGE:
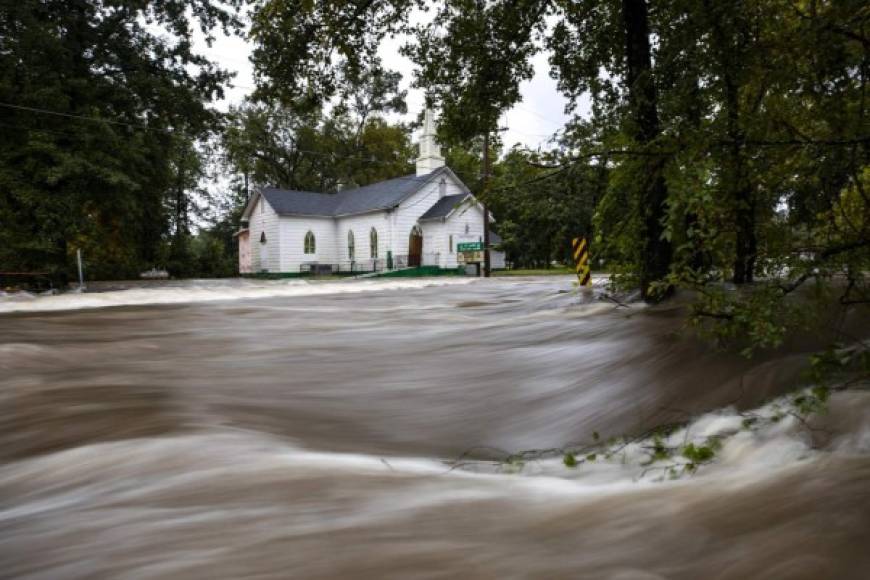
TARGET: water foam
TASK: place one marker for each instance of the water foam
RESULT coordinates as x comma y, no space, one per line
779,438
202,291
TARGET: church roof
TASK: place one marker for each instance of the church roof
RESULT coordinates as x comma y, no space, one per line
444,206
376,196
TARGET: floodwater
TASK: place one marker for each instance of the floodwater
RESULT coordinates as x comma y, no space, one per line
358,429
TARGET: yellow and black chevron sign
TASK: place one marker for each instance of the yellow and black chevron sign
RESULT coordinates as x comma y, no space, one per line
581,261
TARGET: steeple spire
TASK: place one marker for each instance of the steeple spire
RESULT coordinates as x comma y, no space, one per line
430,157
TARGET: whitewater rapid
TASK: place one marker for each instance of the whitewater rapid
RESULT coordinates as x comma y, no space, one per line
190,291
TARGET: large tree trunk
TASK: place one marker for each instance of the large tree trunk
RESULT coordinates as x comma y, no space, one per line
737,181
486,255
698,258
656,258
741,190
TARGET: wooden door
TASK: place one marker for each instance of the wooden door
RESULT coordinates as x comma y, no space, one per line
415,247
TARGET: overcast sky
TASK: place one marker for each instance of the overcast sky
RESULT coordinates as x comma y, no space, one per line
531,123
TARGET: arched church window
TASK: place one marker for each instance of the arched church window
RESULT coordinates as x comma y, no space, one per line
351,246
309,243
373,243
262,237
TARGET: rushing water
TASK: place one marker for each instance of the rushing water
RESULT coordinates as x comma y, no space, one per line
294,429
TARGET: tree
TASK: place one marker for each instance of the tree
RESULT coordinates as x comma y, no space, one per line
97,107
311,151
540,210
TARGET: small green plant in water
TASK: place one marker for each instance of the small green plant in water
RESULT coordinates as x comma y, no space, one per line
569,460
659,450
698,453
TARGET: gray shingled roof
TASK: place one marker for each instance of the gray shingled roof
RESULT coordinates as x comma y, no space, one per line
444,206
287,201
380,195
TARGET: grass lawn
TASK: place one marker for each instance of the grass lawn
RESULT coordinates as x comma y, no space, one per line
554,271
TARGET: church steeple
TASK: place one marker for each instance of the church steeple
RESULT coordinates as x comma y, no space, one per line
430,157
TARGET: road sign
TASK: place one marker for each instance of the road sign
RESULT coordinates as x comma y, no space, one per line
581,260
470,257
469,246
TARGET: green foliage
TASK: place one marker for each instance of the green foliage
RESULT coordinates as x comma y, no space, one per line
659,450
569,460
100,117
513,464
837,363
698,454
472,56
538,218
311,151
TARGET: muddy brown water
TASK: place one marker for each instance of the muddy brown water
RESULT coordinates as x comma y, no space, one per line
299,430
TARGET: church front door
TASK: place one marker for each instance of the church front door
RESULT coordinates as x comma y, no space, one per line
415,247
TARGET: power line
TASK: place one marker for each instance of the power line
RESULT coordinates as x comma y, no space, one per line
224,156
526,109
82,117
45,131
169,131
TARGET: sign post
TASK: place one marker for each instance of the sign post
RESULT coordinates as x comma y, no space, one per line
81,277
471,253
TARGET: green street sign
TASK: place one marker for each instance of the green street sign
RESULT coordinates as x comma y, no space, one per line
469,247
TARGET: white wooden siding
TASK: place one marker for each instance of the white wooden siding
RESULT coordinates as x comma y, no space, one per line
293,230
362,226
264,219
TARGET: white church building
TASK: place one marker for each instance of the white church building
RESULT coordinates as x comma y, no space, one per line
413,220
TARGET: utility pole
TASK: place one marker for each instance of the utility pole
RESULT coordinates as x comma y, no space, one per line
180,202
484,185
81,277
